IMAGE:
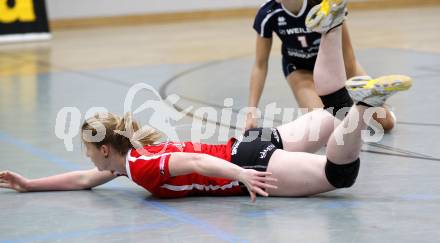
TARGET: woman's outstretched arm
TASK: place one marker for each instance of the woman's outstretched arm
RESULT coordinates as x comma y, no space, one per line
75,180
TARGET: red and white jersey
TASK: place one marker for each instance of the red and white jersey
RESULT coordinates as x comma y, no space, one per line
149,169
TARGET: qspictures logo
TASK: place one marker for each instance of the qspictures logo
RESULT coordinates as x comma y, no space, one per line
68,122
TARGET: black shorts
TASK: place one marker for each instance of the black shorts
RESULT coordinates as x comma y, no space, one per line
290,65
256,147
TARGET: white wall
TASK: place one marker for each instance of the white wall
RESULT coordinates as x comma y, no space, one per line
67,9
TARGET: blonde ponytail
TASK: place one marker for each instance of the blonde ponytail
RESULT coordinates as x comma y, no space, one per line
121,133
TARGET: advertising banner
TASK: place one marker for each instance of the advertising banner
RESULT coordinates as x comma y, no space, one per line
23,20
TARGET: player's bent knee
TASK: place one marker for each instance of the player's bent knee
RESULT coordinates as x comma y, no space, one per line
341,176
338,103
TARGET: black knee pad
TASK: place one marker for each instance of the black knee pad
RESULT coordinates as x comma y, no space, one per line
341,176
336,101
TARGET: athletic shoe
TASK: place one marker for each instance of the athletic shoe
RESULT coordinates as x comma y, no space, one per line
375,92
326,16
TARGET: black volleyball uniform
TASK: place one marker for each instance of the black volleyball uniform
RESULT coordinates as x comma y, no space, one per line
299,45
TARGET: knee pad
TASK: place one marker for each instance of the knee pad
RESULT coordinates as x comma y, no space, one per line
341,176
336,101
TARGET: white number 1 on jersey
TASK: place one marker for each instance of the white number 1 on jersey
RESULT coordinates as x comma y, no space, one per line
302,39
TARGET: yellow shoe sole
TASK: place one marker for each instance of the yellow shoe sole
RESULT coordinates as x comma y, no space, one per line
320,12
387,83
326,6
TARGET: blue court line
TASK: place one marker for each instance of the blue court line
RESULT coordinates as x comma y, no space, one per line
167,210
260,214
193,221
421,197
6,138
93,232
342,204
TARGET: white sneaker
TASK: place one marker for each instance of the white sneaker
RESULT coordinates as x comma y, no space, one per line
326,15
375,92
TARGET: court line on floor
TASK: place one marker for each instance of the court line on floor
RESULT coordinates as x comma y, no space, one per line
6,138
398,150
165,209
400,155
421,124
92,232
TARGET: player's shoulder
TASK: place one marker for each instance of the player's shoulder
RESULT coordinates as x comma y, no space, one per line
155,151
268,8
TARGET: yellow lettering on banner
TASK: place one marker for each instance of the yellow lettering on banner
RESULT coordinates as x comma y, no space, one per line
22,11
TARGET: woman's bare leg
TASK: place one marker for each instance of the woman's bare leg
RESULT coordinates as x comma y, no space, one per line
302,85
345,142
329,74
309,132
329,78
305,174
298,174
302,174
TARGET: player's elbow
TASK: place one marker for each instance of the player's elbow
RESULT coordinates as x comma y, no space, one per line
84,183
